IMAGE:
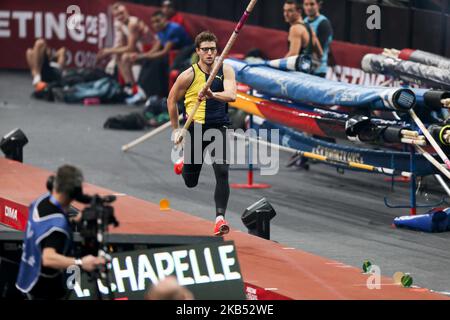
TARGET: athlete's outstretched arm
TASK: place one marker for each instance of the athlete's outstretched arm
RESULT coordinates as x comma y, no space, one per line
177,92
229,86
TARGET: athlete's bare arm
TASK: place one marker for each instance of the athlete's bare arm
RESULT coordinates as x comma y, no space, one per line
229,86
158,52
131,45
295,40
177,92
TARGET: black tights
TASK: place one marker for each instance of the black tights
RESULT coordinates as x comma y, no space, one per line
191,170
222,190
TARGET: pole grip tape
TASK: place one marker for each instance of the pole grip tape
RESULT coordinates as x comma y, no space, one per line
242,21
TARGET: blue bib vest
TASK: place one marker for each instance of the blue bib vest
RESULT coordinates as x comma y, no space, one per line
38,228
326,48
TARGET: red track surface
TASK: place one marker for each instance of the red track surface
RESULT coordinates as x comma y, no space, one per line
289,273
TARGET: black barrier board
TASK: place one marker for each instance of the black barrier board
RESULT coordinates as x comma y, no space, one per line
210,271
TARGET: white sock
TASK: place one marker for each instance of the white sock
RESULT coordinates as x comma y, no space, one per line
218,218
36,79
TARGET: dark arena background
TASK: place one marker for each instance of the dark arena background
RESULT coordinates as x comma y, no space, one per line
338,111
405,24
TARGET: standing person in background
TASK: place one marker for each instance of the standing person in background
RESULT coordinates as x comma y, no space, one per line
301,40
323,29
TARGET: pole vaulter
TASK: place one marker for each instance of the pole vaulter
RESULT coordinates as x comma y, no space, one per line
214,72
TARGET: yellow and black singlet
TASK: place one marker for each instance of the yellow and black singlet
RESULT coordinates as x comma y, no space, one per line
211,111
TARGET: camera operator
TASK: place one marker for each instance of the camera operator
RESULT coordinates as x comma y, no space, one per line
48,239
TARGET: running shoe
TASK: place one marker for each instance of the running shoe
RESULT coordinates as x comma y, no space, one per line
178,167
40,86
221,228
138,98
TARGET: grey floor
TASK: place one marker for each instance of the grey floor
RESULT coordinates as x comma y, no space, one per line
341,217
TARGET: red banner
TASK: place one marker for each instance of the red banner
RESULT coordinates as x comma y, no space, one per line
82,29
13,215
21,23
253,292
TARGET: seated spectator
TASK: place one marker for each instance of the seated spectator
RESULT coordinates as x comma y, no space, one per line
153,79
183,58
131,35
170,11
45,65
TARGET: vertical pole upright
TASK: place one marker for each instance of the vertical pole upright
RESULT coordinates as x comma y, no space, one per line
412,164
